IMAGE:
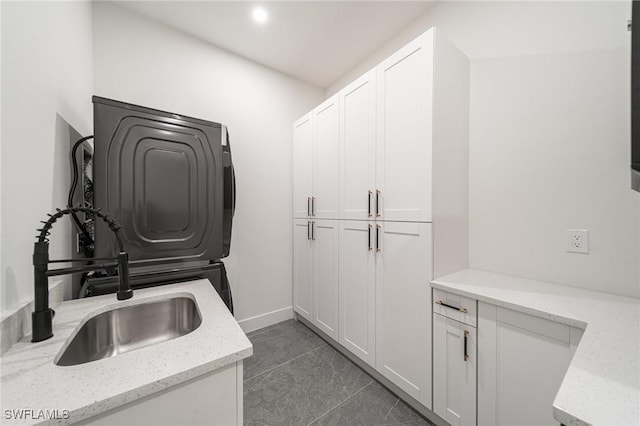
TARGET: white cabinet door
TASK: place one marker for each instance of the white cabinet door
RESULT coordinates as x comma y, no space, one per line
303,268
403,311
302,166
223,402
326,171
357,289
404,130
521,362
454,371
357,148
324,234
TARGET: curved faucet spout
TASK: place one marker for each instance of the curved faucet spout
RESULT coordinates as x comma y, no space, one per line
42,316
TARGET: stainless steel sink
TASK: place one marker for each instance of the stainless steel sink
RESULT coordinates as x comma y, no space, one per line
129,328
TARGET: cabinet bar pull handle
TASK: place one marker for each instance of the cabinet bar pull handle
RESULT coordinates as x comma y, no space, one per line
378,202
466,335
308,206
369,204
313,237
308,231
378,249
463,310
369,236
313,206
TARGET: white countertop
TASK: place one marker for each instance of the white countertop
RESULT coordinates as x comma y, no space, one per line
602,384
31,380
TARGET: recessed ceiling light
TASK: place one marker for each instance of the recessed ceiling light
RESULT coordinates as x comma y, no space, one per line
260,15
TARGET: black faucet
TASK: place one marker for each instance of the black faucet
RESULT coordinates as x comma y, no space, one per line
42,315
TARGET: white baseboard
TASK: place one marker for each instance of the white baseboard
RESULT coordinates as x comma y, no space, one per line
265,320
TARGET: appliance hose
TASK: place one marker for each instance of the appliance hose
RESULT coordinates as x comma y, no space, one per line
72,190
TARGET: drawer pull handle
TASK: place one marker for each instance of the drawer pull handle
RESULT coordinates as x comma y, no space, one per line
463,310
466,335
308,206
378,203
369,238
369,205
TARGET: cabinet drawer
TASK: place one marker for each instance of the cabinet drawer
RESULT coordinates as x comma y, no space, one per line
456,307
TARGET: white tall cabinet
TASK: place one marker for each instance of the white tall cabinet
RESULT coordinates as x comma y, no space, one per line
315,204
400,179
358,253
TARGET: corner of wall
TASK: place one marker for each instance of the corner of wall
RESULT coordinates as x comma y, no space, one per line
50,88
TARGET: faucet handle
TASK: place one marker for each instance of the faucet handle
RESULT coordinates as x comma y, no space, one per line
124,289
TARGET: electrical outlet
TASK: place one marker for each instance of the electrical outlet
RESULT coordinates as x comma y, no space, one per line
578,241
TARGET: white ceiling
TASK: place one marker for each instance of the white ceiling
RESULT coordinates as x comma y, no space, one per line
313,41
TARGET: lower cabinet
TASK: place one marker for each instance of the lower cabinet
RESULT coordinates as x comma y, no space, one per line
506,371
214,398
303,268
366,285
315,272
358,289
455,369
522,360
403,316
325,276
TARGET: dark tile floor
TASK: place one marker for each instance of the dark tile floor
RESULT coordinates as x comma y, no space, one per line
295,378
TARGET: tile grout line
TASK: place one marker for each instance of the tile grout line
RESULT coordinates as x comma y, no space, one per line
284,363
341,402
391,409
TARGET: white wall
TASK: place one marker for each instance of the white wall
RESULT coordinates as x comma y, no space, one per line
47,83
549,136
143,62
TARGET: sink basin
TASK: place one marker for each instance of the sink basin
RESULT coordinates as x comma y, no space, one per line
132,327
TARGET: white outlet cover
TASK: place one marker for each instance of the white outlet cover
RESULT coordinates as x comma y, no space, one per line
578,241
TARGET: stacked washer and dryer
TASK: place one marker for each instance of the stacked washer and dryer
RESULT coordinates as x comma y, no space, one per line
169,180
